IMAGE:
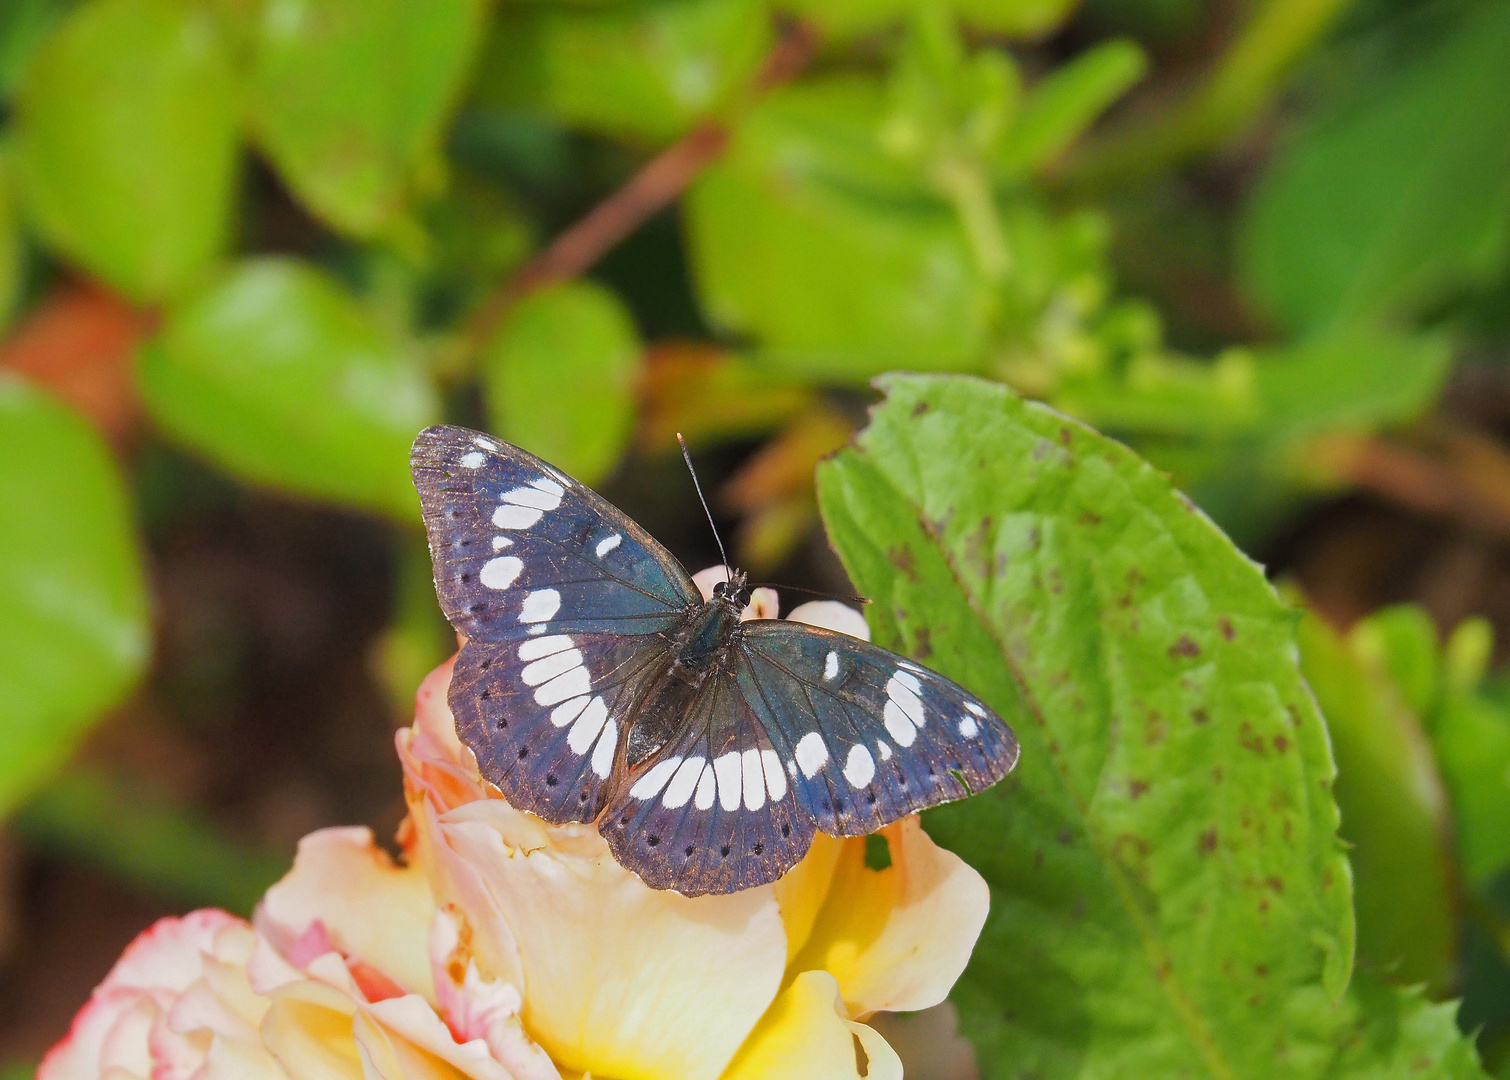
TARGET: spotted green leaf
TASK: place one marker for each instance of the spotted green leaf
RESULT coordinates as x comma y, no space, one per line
281,377
126,132
560,377
1167,888
73,607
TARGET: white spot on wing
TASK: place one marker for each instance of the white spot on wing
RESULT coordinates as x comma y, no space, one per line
969,728
566,685
791,767
707,787
831,666
501,542
859,767
775,779
607,544
754,779
548,667
501,572
902,688
532,497
568,711
472,460
683,783
550,487
883,749
602,754
730,775
897,723
649,785
486,444
509,516
540,606
534,650
586,729
811,754
976,709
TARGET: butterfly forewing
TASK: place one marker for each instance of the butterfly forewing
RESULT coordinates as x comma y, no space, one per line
547,716
521,550
867,736
713,811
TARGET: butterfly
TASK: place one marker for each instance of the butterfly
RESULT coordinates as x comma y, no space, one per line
597,685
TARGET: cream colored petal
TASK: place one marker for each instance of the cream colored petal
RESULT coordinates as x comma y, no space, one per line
231,1059
897,939
77,1055
764,604
308,1030
167,954
806,1036
802,891
411,1020
707,578
371,909
832,615
618,979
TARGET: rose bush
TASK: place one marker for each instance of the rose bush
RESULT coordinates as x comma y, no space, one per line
499,947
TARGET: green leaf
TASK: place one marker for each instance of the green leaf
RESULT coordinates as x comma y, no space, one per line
848,19
11,248
73,604
648,69
1387,201
1168,893
143,839
1065,102
1386,1033
278,375
23,26
1471,736
1393,807
350,97
560,378
126,142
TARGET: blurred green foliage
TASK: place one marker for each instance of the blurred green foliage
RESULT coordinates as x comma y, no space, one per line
334,219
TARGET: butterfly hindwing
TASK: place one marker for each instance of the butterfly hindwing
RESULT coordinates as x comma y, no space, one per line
520,549
546,716
713,811
866,735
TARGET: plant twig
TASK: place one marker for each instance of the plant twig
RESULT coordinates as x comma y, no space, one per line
1465,479
658,184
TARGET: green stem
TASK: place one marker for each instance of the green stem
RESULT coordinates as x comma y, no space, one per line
966,187
99,819
1237,90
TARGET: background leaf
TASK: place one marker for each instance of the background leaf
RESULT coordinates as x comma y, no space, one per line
348,97
647,68
1391,199
1166,881
126,142
73,603
276,374
561,377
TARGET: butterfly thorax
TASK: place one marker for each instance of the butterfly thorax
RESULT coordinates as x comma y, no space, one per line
710,629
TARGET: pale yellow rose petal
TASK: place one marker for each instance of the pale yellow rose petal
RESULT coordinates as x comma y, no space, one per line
806,1036
310,1035
832,615
897,939
802,891
371,909
620,980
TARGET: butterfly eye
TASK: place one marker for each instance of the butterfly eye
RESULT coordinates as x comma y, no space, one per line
720,588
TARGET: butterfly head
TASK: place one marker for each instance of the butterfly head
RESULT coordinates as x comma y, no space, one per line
735,592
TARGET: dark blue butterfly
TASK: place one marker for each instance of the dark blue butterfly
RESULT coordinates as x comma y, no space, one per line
597,685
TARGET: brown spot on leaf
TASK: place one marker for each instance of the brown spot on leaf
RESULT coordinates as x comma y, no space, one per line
1281,744
1065,836
1224,624
1185,647
920,408
1136,789
904,560
1090,518
1207,843
1064,436
1200,716
1249,739
1155,730
1277,884
922,644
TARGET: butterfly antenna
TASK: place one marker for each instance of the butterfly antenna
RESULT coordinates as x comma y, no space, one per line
687,457
811,592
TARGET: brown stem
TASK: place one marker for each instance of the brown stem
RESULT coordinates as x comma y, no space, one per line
658,184
1465,479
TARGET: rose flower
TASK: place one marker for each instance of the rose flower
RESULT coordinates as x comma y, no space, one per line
505,948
